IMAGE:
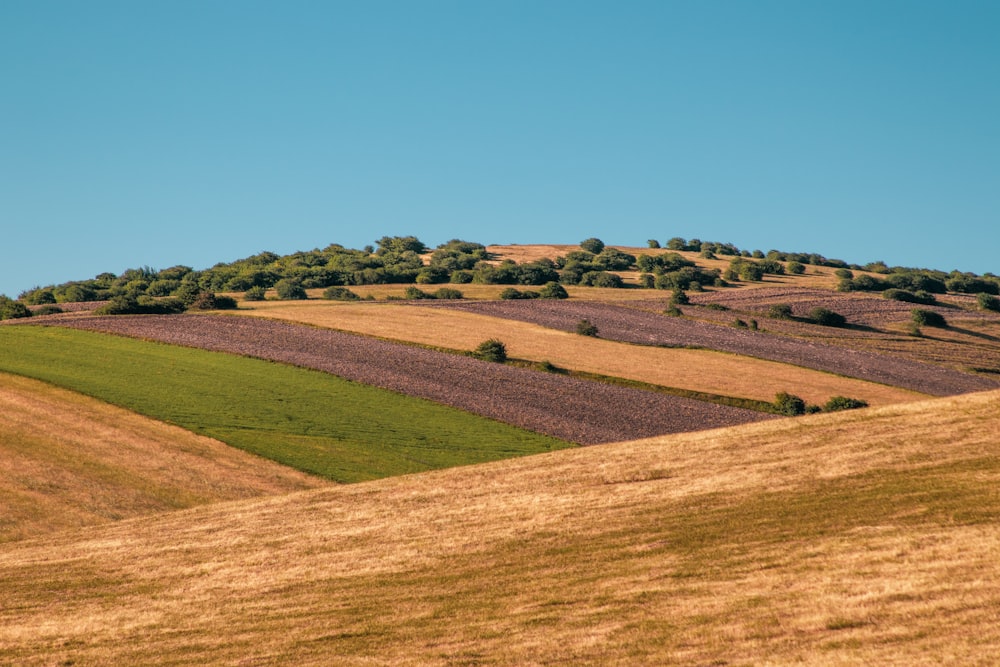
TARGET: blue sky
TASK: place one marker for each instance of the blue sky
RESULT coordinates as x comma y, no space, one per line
142,133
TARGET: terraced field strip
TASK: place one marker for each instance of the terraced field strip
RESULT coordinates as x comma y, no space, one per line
696,370
576,410
311,421
645,328
68,460
863,538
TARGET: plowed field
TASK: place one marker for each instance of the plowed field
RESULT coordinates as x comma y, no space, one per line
645,328
572,409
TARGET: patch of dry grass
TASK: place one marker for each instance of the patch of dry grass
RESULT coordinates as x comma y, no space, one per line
67,460
866,537
696,370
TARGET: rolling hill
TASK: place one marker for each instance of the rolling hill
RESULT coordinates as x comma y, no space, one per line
703,529
865,537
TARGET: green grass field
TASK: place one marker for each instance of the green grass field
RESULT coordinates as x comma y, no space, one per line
312,421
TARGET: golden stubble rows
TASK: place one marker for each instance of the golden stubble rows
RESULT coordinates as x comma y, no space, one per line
556,558
67,460
698,370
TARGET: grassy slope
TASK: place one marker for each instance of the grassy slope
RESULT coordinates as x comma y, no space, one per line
867,537
311,421
67,460
697,370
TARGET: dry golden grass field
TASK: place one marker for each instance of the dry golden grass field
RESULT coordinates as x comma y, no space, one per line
696,370
855,538
68,461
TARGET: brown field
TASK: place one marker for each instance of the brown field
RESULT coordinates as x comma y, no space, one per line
697,370
67,460
859,538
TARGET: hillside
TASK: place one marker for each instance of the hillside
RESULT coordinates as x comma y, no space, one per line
67,461
864,537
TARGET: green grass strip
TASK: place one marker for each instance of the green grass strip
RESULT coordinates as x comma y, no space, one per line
309,420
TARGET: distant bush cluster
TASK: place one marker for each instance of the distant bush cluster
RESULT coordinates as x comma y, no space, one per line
791,405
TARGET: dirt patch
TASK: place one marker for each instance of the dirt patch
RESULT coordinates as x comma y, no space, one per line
573,409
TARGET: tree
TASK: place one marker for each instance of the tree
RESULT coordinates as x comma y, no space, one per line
553,290
586,328
827,318
592,245
789,404
289,289
10,309
928,318
653,243
492,350
400,244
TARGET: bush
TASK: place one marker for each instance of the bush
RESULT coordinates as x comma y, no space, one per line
11,310
717,306
827,318
511,293
592,245
553,290
796,268
843,403
290,290
780,311
340,294
653,243
896,294
987,301
845,274
448,293
673,311
413,293
679,297
48,309
211,301
788,404
492,350
126,304
586,328
928,318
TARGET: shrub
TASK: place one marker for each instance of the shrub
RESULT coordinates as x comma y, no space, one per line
340,294
553,290
48,309
717,306
211,301
592,245
796,268
928,318
843,403
11,310
827,318
448,293
845,274
647,281
126,304
679,297
896,294
492,350
673,311
780,311
653,243
740,324
586,328
987,301
255,293
413,292
461,277
290,289
514,293
789,404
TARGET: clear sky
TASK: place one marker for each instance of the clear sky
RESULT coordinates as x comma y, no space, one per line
154,133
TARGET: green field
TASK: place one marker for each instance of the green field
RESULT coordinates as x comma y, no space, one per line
312,421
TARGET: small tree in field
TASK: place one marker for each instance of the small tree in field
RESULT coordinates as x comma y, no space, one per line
290,290
492,350
593,245
789,404
586,328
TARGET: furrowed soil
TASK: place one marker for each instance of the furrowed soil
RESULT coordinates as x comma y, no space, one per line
708,371
572,409
642,327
